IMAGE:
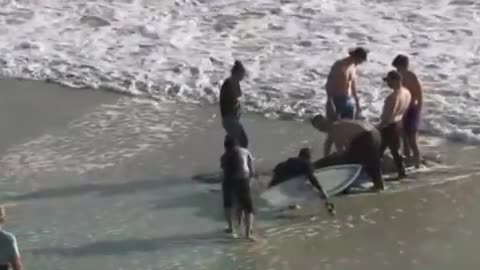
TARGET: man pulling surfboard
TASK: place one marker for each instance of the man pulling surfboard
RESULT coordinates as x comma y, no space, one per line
297,166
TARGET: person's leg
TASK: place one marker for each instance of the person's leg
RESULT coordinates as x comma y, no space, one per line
234,128
406,145
246,204
394,146
228,205
365,149
412,138
375,172
243,138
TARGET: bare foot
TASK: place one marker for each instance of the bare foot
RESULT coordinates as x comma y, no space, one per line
251,238
377,189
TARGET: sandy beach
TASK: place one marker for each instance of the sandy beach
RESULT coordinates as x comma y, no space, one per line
104,181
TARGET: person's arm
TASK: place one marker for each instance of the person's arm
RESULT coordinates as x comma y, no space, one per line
327,146
251,167
419,87
388,110
313,180
16,261
355,93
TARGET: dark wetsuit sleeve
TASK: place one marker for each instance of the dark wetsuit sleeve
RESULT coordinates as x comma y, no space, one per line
313,180
277,175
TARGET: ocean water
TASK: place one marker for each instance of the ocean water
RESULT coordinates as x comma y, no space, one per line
181,50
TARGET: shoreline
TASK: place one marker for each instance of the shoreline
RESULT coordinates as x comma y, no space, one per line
108,184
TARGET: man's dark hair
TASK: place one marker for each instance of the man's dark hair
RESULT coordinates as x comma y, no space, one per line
359,53
238,67
305,153
400,61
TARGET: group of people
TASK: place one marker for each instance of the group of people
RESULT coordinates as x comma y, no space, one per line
356,140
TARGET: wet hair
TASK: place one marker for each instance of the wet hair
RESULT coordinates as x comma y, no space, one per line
400,61
305,153
321,122
229,142
238,67
359,53
393,75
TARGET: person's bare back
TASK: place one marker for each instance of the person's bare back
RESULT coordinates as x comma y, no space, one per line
342,98
412,83
339,81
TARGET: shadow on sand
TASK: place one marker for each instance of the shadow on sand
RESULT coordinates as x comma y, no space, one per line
123,247
103,189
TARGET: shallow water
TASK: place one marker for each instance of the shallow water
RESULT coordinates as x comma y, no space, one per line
113,190
182,50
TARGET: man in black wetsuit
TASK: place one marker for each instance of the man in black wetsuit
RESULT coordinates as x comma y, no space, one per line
296,166
357,142
230,104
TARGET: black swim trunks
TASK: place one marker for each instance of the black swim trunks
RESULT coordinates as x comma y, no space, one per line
237,190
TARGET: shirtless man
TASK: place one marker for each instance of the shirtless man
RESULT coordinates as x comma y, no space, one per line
341,89
341,86
412,117
362,143
230,94
394,109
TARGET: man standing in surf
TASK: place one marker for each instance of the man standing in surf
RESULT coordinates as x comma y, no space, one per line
230,94
394,110
412,117
341,87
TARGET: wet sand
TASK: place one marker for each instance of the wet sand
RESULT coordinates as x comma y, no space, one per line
107,183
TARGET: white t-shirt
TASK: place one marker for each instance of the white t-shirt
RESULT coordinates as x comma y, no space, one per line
8,247
246,167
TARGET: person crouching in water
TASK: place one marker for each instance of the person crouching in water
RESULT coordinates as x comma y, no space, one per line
297,166
237,166
357,142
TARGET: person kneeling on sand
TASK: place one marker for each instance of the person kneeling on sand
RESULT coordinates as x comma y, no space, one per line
9,254
357,142
297,166
237,166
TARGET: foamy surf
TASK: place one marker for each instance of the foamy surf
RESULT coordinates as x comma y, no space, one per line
181,50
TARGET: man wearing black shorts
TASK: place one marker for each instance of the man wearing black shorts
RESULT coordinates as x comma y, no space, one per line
237,166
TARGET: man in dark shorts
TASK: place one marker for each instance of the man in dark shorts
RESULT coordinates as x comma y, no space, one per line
394,110
237,166
411,120
296,166
357,142
230,94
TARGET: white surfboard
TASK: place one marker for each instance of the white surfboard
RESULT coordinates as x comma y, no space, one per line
333,179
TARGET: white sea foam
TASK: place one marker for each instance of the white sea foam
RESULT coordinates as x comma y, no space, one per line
183,49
